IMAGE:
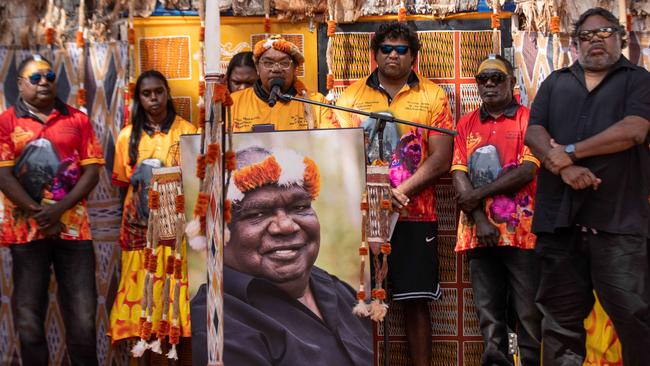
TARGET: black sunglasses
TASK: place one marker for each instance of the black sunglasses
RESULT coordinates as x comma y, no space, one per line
495,77
401,50
36,77
602,33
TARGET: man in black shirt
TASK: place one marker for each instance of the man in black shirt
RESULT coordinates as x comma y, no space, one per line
589,126
279,309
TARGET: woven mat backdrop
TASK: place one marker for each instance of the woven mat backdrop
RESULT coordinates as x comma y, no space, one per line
534,57
105,72
451,51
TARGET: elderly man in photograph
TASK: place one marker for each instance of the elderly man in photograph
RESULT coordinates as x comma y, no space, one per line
279,308
589,127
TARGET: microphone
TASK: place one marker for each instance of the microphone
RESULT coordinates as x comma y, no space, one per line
276,85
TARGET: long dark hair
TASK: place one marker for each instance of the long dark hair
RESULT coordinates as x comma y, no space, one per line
238,60
139,117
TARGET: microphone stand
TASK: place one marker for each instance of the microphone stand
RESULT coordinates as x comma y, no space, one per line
379,129
377,116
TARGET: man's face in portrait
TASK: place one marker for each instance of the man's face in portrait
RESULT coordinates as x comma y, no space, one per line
275,64
36,84
494,87
394,58
275,234
598,44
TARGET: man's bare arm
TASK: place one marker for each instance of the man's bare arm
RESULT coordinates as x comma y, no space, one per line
436,164
11,188
510,182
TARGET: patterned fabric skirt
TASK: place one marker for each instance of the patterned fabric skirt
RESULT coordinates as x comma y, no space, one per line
127,309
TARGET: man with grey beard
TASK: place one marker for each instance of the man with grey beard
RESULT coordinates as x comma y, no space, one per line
589,127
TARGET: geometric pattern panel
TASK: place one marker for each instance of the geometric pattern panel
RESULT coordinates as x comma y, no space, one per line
105,65
445,353
351,55
297,39
469,94
183,107
474,47
470,317
169,55
447,258
437,50
472,352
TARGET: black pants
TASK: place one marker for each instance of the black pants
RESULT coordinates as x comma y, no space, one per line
74,267
506,278
575,262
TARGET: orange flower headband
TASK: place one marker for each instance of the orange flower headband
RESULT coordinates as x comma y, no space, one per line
283,168
278,43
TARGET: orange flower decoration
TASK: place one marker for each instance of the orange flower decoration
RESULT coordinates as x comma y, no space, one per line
496,22
256,175
311,178
361,295
278,43
231,162
331,28
80,39
81,97
401,15
330,81
213,154
49,35
202,34
555,24
267,25
130,35
180,203
379,294
227,211
363,250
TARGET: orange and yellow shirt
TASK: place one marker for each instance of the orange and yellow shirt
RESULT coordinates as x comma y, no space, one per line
420,101
162,147
250,107
47,159
486,148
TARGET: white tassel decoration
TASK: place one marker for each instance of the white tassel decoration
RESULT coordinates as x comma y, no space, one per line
155,346
172,354
199,243
361,309
139,348
378,310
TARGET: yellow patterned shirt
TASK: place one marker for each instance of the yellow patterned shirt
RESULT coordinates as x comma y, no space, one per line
420,101
251,108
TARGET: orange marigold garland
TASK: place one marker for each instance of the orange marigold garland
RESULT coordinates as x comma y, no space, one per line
311,178
81,97
231,161
555,24
213,154
49,35
80,39
401,13
200,166
330,81
267,24
495,20
331,27
227,211
255,175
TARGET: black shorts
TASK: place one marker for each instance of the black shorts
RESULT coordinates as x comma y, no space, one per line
413,261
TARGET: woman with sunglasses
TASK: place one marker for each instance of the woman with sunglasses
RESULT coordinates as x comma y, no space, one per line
150,141
49,162
277,62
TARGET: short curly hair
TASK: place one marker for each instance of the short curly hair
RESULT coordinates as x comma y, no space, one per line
605,14
395,30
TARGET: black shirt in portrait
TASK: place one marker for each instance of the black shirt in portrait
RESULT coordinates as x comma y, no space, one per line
570,113
264,326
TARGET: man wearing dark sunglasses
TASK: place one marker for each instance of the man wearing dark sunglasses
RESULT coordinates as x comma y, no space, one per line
417,158
589,126
493,174
49,163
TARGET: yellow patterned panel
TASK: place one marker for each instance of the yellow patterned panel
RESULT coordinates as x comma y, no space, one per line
435,55
603,346
351,55
169,55
183,107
